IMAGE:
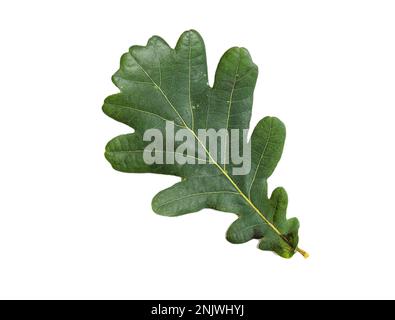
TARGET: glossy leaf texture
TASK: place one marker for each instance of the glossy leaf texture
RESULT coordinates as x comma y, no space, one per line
158,84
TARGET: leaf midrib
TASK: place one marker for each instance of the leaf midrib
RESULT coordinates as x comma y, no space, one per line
252,205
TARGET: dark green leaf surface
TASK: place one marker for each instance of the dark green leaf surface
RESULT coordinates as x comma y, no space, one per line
159,84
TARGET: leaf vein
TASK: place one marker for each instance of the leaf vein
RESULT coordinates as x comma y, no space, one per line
196,195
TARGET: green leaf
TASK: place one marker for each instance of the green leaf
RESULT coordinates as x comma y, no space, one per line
159,84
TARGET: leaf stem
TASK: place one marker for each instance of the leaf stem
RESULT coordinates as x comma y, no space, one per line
303,253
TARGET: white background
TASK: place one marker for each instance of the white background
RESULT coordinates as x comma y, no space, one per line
71,227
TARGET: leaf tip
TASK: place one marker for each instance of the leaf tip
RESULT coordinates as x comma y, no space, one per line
157,41
191,32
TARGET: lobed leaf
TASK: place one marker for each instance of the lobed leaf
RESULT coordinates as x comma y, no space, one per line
159,84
